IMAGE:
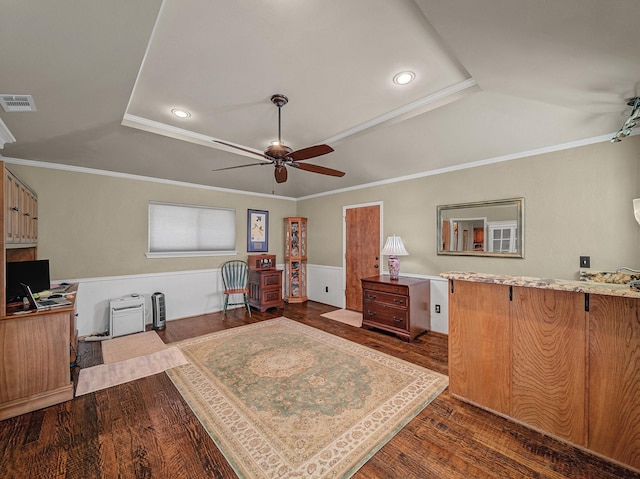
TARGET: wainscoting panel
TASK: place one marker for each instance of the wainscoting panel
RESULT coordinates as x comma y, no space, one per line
190,293
187,293
439,296
325,284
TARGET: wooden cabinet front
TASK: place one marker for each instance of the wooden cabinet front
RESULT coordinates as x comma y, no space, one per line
21,213
265,289
400,307
614,378
479,344
36,352
548,361
563,362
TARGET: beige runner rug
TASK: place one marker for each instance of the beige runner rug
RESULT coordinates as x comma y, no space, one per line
346,316
129,358
131,346
282,399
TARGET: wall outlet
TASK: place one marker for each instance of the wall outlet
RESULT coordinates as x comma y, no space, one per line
585,261
437,308
326,289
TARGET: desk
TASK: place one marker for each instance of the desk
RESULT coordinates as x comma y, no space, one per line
36,350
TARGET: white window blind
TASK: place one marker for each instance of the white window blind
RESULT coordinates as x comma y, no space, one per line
189,230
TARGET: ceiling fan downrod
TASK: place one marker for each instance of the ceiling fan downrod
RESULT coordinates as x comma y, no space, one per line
279,100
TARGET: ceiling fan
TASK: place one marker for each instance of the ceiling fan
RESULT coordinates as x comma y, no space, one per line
281,156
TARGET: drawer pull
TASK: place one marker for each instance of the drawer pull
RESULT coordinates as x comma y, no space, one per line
371,296
371,313
397,320
398,301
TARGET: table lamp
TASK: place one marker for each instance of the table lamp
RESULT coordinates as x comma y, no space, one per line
394,248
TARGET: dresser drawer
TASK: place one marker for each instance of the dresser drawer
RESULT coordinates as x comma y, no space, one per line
271,295
384,315
271,279
387,298
386,288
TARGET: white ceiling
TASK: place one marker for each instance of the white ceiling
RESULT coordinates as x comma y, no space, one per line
494,78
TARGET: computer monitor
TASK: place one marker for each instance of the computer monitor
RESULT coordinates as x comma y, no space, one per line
33,273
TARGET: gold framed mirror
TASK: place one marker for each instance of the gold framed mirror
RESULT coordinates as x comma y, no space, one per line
484,228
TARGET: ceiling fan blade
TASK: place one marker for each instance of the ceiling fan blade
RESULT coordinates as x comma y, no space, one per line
240,166
323,170
246,150
280,174
309,152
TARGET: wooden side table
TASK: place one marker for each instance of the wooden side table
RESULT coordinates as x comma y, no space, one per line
265,289
398,306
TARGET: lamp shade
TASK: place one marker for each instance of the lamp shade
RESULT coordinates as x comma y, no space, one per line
394,247
636,209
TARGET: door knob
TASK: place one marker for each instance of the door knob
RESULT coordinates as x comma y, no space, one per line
375,266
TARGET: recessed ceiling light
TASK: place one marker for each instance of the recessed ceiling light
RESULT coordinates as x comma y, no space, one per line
403,78
181,113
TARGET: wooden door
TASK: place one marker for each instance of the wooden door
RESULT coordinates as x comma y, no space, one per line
362,251
549,361
479,344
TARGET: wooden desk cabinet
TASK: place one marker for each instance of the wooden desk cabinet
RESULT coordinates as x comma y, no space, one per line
265,289
36,351
399,306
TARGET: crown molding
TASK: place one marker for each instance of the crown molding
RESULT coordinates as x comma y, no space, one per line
5,135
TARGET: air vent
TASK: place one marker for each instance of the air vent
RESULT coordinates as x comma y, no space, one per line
12,103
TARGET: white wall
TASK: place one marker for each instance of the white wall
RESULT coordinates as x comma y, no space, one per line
187,293
195,292
319,279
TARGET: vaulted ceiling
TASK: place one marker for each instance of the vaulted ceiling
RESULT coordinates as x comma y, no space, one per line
493,79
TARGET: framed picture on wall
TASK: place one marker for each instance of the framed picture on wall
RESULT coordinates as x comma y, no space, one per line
257,231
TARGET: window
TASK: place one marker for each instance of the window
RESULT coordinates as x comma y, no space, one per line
188,230
503,236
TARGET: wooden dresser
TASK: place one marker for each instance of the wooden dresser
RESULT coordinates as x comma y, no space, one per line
399,306
265,289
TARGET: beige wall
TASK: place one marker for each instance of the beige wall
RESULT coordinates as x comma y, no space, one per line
94,225
577,202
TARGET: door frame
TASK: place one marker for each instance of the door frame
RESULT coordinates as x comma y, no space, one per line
344,242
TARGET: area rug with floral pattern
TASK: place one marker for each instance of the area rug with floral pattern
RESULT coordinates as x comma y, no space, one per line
282,399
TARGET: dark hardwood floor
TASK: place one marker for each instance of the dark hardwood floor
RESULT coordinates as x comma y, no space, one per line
144,429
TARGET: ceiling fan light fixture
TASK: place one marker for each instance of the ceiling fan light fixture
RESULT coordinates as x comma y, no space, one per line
630,123
180,113
404,78
281,156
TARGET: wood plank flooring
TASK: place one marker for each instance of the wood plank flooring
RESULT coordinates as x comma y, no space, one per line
144,429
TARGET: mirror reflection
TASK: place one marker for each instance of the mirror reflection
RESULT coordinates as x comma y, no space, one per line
484,228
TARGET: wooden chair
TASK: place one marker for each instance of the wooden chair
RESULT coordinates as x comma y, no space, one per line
235,276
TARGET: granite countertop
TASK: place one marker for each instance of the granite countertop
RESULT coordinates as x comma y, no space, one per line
590,287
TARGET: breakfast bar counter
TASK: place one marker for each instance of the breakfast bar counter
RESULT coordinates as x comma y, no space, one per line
578,286
558,356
